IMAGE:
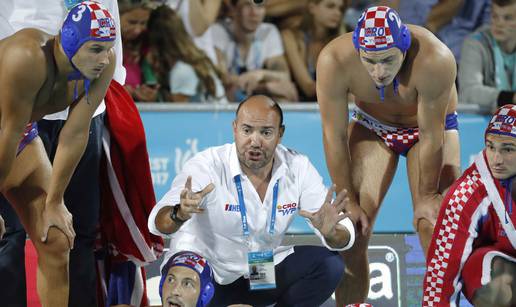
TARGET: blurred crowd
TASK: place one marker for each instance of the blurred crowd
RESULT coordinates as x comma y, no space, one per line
221,51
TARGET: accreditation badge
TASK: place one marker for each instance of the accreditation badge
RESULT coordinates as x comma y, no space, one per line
262,273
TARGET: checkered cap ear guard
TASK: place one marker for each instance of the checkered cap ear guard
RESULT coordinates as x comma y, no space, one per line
88,20
503,121
380,28
197,263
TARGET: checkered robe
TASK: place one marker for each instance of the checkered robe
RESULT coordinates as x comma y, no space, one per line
473,217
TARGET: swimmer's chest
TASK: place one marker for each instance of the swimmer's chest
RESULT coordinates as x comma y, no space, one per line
54,96
397,107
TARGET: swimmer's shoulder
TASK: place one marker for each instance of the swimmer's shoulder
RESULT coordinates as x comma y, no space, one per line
428,52
23,55
339,54
340,49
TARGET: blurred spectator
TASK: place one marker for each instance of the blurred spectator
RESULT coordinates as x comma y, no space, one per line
133,19
414,11
355,9
450,20
321,23
487,71
198,16
184,72
286,14
253,53
453,20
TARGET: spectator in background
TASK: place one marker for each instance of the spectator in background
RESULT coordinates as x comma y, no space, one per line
197,17
184,72
487,70
139,83
450,20
413,11
321,23
453,20
253,53
286,14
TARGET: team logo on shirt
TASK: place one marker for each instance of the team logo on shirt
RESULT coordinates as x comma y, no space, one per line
287,209
231,208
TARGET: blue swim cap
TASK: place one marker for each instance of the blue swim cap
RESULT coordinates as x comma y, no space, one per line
86,21
197,263
380,28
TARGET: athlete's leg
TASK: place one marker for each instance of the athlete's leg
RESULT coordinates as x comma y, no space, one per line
25,188
424,218
82,199
373,167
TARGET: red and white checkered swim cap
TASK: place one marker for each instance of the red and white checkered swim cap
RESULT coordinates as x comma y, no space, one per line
380,28
503,121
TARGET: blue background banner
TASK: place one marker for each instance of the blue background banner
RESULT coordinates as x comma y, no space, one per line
174,137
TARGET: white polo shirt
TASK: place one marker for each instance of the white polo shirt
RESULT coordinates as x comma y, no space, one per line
266,44
217,233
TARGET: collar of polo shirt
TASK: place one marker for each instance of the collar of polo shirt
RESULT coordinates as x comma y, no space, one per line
278,168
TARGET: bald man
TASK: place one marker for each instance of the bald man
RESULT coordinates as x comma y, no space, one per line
233,203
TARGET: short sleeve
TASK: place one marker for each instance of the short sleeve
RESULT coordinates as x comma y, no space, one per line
183,79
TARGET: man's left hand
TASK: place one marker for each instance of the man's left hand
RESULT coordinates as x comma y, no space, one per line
326,219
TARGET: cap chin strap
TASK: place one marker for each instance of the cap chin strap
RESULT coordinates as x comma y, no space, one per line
395,84
77,75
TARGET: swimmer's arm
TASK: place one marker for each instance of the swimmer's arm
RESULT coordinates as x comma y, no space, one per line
434,88
332,92
22,76
74,135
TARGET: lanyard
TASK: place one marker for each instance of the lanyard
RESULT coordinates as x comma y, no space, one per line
243,212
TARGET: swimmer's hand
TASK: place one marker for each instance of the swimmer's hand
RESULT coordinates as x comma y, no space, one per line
2,227
56,215
190,202
327,218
